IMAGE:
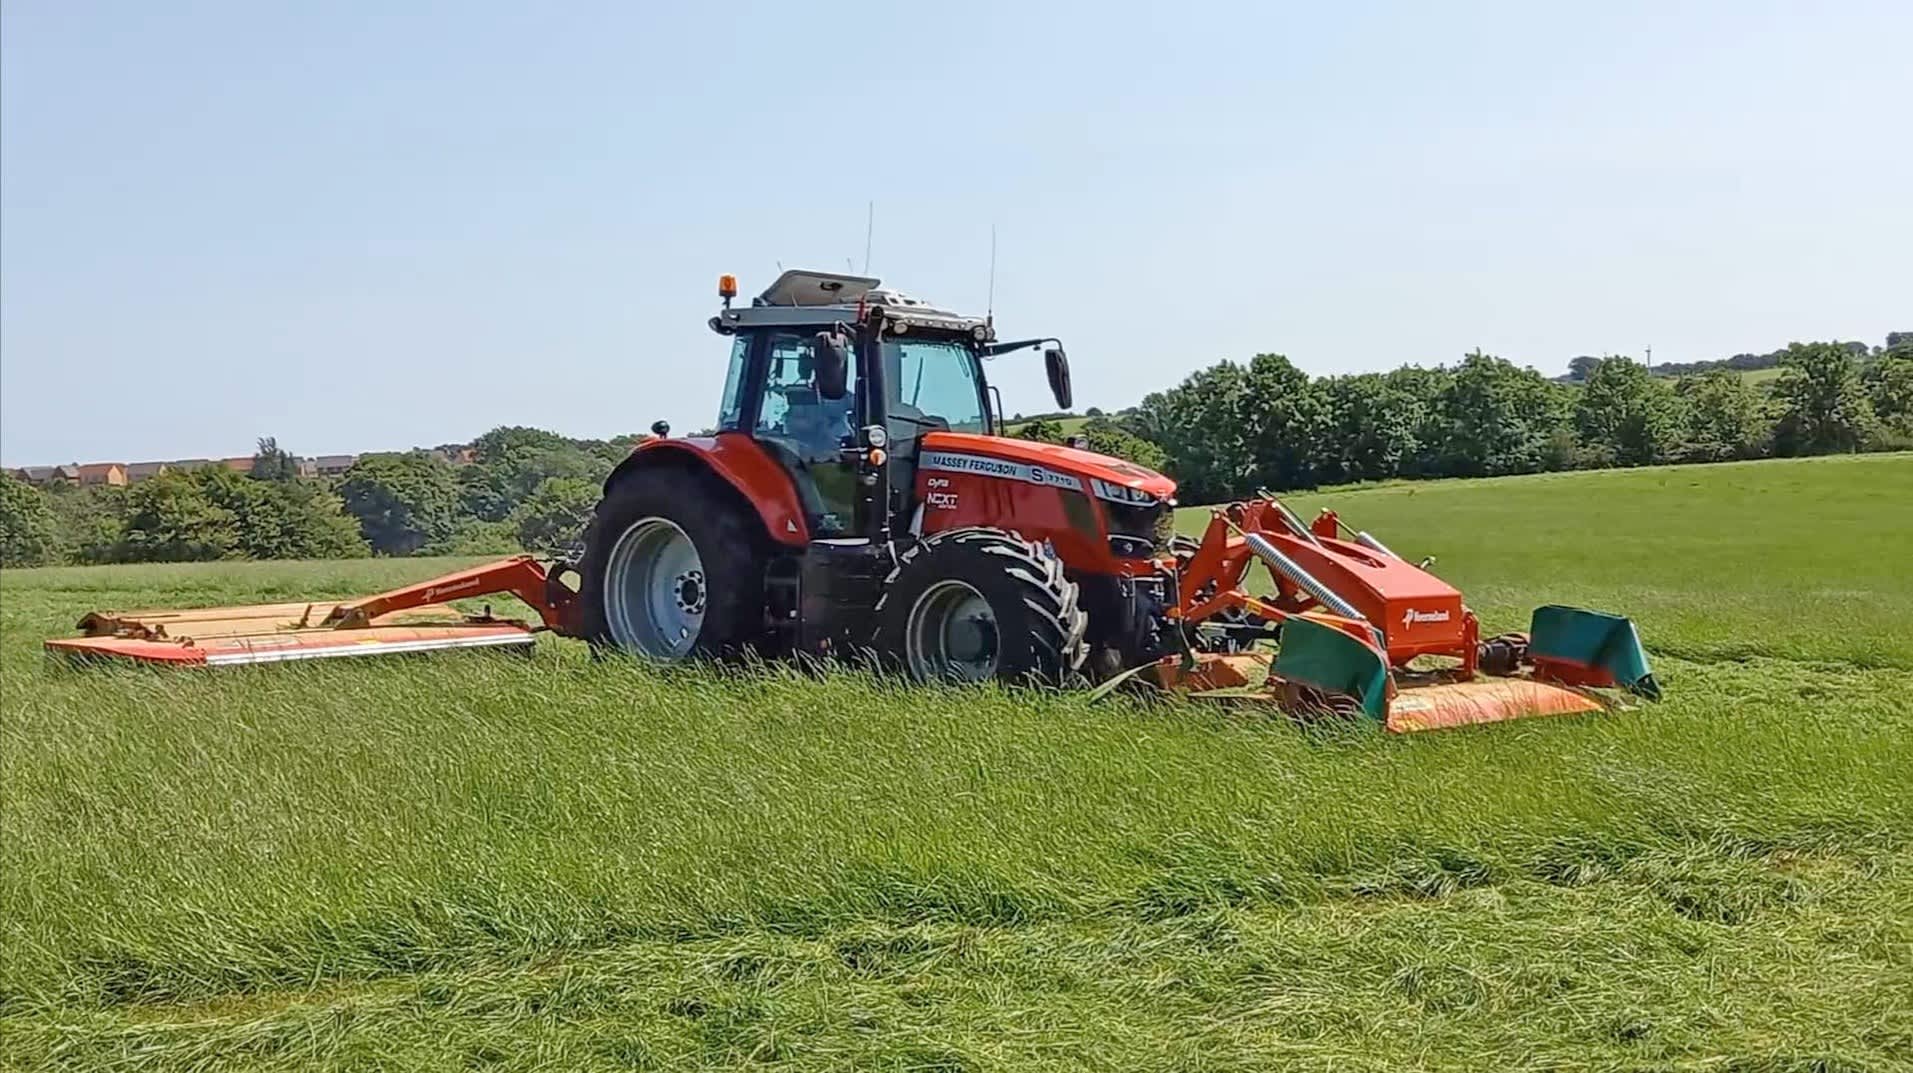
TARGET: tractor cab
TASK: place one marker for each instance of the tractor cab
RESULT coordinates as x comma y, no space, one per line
839,380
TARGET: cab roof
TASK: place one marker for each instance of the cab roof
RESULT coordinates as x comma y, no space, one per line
802,287
802,297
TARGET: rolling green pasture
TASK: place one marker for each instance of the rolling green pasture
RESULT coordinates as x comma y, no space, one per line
555,863
1756,377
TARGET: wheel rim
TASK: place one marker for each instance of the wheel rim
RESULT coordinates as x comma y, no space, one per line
952,634
654,590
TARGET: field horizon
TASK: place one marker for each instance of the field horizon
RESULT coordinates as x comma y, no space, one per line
561,862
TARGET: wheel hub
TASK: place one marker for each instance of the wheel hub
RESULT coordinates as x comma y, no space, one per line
972,639
952,634
654,590
690,592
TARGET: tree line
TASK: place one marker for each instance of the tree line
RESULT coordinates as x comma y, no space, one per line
1233,428
522,489
1224,432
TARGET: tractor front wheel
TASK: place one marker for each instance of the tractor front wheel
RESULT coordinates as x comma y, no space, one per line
973,604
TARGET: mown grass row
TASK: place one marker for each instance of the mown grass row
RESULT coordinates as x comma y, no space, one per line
1601,975
176,838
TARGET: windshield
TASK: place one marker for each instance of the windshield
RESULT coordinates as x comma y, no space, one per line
933,382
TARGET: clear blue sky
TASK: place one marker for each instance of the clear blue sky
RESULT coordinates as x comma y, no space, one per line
367,226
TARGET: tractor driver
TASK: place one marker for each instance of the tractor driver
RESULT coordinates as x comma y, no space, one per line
817,426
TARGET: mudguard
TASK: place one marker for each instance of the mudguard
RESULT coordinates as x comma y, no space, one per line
742,463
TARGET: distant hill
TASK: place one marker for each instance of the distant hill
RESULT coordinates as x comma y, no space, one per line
1755,368
1745,363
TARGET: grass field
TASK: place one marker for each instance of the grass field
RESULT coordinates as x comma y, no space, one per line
1762,376
554,863
1756,377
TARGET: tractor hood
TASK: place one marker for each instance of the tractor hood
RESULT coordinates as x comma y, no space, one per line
1046,463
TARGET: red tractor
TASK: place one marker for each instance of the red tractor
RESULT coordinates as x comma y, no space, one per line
859,496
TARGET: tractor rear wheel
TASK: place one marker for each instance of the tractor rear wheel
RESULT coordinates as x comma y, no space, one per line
973,604
671,569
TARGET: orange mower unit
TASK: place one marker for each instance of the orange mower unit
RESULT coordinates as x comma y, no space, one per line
1356,628
415,618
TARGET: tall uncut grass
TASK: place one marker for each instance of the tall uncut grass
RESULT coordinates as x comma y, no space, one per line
555,862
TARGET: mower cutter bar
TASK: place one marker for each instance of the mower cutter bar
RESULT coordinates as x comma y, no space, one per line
409,619
289,646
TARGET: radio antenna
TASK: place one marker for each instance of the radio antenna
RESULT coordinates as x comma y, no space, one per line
989,303
870,227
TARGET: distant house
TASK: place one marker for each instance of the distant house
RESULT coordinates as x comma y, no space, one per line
116,474
47,474
92,473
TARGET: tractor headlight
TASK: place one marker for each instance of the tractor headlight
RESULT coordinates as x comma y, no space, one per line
875,436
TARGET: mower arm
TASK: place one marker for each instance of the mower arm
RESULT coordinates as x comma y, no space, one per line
522,576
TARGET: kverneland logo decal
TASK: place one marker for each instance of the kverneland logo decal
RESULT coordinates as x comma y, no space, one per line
439,591
1412,616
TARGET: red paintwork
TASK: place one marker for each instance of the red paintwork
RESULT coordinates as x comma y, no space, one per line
1035,511
1385,590
521,575
1417,612
1055,457
750,469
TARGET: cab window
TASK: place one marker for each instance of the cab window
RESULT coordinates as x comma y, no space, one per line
933,384
793,412
730,411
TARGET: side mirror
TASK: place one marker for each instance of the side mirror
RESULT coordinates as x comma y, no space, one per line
830,362
1056,364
